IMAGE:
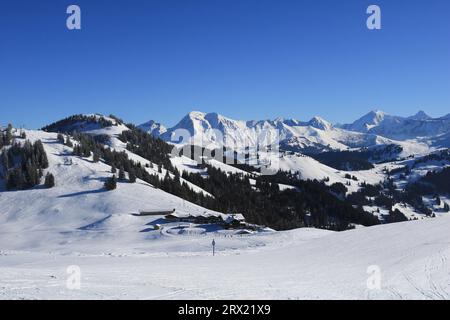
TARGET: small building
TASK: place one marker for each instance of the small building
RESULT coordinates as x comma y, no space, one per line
243,232
234,220
208,218
174,216
154,212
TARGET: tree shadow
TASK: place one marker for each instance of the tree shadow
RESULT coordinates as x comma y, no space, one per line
94,224
69,195
157,221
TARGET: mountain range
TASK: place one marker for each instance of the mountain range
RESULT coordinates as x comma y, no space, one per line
417,134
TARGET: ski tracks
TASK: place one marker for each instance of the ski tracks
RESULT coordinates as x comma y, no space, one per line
435,282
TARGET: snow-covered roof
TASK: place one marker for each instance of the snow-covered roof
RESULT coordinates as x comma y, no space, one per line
234,217
238,216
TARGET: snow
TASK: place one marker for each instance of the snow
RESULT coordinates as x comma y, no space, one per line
212,130
122,256
317,264
311,169
153,128
185,164
400,128
227,168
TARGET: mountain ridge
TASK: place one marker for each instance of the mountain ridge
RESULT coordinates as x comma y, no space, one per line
214,130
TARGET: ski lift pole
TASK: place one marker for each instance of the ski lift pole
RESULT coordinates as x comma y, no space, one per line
213,247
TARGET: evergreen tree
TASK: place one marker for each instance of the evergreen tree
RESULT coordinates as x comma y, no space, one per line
9,135
446,207
96,157
68,142
438,200
31,174
60,138
5,160
121,173
131,176
49,180
15,179
111,183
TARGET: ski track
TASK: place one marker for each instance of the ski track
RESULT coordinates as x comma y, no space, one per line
329,266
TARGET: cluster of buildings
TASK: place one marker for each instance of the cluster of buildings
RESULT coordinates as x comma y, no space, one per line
229,221
235,220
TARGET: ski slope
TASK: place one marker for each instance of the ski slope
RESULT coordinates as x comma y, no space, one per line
413,259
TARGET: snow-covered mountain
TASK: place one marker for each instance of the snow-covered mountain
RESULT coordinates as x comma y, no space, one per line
213,131
154,128
317,135
421,116
400,128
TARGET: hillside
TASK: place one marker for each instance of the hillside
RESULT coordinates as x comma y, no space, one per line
316,264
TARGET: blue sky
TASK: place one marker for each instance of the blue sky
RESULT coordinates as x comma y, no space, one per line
246,59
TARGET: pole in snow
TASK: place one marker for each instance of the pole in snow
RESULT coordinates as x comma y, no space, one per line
213,246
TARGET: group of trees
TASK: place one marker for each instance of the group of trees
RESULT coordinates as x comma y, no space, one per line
308,203
6,136
345,160
434,181
23,165
64,140
151,148
78,123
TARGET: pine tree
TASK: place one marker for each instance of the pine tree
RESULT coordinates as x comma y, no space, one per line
121,174
96,157
5,161
9,135
60,138
49,180
113,168
438,200
69,143
446,207
31,174
15,179
131,176
111,183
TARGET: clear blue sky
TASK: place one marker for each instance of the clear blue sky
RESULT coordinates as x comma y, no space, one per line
246,59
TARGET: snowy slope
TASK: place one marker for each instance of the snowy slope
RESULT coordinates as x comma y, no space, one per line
78,197
311,169
412,258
